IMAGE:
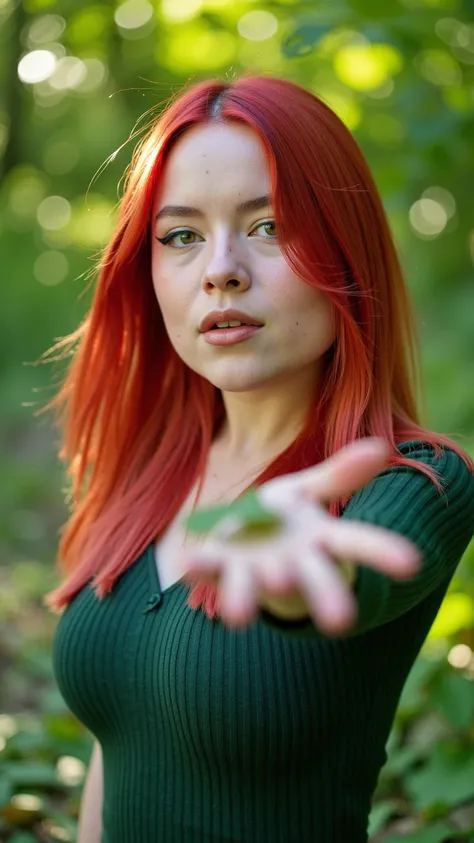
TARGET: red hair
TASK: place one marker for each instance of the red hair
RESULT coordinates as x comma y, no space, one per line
137,423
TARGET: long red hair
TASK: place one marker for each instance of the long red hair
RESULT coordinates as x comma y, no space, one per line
137,423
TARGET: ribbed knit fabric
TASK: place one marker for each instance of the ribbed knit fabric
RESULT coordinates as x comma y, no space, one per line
274,733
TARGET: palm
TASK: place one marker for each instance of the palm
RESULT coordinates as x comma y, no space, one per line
300,559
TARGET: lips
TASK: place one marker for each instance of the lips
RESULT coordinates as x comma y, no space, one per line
230,336
231,315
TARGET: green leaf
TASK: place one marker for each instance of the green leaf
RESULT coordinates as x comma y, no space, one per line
63,728
257,520
456,613
22,837
203,520
22,774
414,689
455,697
447,779
6,790
53,703
303,40
379,815
400,760
26,742
430,834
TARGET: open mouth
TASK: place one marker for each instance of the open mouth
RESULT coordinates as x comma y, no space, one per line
229,327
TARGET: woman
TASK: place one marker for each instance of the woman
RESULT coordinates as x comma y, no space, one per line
250,329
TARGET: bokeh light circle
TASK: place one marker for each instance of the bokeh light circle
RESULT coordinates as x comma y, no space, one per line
257,25
37,66
50,268
53,212
428,217
133,14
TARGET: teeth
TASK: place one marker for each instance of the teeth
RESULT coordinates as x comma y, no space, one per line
228,324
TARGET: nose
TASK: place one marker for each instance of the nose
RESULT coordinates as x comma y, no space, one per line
224,270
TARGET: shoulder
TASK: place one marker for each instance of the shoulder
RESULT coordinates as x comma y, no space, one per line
432,490
450,469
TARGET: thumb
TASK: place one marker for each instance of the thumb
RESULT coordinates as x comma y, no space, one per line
346,471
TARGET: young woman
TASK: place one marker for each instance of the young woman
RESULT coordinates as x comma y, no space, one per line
250,329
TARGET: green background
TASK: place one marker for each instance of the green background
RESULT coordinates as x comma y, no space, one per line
78,82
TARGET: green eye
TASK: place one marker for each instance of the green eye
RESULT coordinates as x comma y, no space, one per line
171,239
269,223
184,232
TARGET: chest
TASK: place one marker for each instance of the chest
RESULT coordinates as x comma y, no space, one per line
191,682
219,486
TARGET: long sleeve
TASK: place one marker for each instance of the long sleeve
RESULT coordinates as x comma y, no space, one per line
172,695
406,501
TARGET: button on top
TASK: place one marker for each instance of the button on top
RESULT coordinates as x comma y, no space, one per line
153,601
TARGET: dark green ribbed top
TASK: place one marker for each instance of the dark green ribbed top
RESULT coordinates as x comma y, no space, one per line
273,733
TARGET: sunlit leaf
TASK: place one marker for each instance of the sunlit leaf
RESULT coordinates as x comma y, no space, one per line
367,66
92,221
257,520
345,106
196,47
456,613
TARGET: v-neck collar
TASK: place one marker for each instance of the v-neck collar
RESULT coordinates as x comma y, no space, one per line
156,593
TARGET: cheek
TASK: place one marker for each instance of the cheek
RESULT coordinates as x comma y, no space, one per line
171,296
303,306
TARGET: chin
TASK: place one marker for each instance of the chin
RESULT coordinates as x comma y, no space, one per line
239,382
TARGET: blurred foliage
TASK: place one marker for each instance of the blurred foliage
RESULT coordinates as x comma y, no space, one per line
78,83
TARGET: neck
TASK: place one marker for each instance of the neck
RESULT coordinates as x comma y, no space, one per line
264,421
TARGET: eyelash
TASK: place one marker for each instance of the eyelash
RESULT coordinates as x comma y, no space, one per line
169,237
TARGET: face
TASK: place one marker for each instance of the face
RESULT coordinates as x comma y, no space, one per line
229,257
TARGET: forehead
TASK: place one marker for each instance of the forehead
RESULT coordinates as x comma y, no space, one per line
215,161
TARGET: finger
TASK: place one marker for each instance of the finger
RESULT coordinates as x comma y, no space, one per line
376,547
238,593
275,573
206,564
346,471
329,599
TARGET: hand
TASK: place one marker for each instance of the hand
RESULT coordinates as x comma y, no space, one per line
301,559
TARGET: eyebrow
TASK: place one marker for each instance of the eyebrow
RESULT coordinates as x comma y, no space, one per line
188,211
